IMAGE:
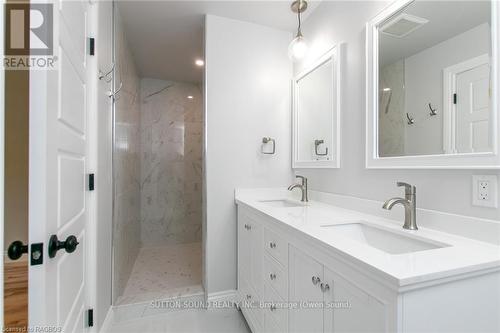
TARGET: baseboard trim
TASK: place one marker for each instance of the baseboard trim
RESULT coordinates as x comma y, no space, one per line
226,295
108,321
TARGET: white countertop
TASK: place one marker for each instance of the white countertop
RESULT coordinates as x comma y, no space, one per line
463,256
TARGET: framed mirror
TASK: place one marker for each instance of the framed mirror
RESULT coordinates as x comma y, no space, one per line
432,85
316,113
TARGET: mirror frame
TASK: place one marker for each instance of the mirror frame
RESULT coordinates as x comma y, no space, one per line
445,161
335,54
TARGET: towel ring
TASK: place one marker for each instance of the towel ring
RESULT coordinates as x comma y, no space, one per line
317,143
266,140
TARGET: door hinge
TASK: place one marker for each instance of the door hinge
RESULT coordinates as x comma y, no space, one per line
90,317
91,181
92,46
454,98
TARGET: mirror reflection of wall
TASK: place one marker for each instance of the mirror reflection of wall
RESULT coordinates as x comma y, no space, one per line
316,112
434,79
315,105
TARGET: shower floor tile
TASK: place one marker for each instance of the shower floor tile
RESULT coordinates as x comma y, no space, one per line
164,272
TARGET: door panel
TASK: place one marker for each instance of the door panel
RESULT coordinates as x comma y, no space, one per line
302,269
70,273
72,111
473,110
58,167
71,184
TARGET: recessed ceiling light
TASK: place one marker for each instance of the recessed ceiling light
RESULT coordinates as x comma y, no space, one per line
199,62
387,89
190,97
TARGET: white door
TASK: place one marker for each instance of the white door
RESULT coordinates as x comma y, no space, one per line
473,111
58,164
305,275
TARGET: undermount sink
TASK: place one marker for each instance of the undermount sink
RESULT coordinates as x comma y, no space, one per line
282,203
384,240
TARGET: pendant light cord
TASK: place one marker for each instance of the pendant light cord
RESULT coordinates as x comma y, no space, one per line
299,32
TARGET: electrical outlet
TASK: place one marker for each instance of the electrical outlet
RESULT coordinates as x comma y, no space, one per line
485,191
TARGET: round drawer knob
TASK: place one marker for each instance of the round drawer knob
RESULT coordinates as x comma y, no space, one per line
315,280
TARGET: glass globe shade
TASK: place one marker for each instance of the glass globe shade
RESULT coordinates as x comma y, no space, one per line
297,48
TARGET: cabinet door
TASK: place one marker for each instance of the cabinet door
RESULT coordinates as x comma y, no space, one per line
350,309
305,291
243,246
256,257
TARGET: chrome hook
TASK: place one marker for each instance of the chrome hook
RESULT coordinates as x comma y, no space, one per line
105,75
411,120
433,111
113,94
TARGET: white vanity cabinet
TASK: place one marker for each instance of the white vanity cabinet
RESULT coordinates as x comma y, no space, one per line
305,278
298,283
329,303
250,265
274,274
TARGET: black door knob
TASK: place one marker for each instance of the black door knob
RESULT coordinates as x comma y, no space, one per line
55,245
16,250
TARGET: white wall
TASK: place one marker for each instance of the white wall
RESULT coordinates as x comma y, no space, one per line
424,84
445,190
248,94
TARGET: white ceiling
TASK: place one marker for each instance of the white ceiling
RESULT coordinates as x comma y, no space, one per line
165,37
446,19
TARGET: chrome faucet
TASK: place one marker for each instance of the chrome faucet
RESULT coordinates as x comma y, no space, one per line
410,204
302,186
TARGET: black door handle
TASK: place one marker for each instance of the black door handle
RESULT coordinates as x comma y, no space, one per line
16,250
55,245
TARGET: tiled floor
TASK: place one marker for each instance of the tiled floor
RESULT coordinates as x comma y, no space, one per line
164,272
192,320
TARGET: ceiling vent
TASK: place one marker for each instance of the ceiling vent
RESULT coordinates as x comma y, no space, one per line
402,25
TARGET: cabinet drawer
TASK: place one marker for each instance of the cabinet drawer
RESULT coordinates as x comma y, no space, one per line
276,309
276,276
276,247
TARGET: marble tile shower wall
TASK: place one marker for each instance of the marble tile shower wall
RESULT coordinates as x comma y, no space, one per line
392,118
171,162
126,227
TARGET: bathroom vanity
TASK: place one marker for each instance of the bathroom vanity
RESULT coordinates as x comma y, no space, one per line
314,267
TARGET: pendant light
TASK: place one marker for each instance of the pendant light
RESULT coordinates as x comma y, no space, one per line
298,46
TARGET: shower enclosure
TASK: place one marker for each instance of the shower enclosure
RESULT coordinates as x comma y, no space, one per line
157,175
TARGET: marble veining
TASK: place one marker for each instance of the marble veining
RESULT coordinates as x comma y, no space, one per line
392,116
126,166
171,162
